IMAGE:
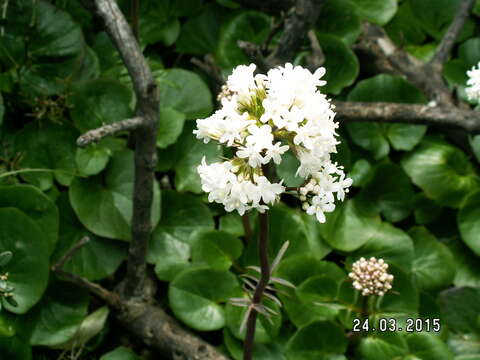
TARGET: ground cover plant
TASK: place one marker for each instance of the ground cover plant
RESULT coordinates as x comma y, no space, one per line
189,179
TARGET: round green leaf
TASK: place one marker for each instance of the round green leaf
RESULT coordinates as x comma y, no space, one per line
425,209
189,153
200,33
251,26
388,345
347,228
360,172
405,27
389,191
460,308
232,224
339,18
287,168
370,137
195,297
469,52
36,205
434,15
376,11
428,346
58,316
442,171
104,203
99,102
170,127
170,247
39,151
341,64
55,45
120,353
29,268
217,249
92,159
469,222
405,137
298,270
320,292
389,243
433,264
266,330
402,301
97,259
185,92
373,137
466,264
317,341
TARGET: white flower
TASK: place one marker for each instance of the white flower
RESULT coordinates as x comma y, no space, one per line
371,276
258,114
261,137
342,185
275,152
255,159
473,89
268,190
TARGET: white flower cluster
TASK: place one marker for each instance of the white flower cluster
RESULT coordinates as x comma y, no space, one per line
371,276
473,89
262,117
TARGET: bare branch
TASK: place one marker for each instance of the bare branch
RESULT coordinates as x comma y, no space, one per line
445,47
317,58
301,18
109,297
446,116
145,142
94,136
391,59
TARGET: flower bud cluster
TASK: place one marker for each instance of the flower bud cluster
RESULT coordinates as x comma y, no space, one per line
473,89
262,117
371,276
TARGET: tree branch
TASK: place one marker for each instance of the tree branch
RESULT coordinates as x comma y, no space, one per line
389,58
301,18
95,135
145,141
445,47
147,321
446,116
260,288
109,297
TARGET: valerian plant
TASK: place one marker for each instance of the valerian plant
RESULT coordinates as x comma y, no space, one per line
133,243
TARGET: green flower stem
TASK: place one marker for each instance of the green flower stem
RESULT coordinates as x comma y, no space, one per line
261,286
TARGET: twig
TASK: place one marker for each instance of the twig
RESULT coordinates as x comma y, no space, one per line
447,116
148,322
209,67
446,45
261,286
145,142
95,135
300,19
109,297
317,58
